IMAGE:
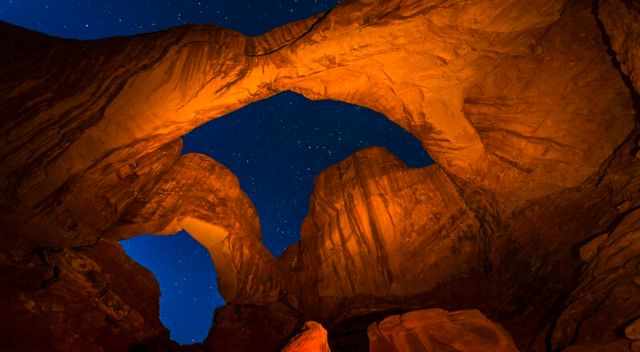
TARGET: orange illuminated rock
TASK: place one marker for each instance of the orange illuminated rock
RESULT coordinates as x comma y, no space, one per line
520,103
499,69
204,198
435,330
367,215
313,338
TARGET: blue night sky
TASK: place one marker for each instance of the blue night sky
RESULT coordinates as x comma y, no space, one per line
276,147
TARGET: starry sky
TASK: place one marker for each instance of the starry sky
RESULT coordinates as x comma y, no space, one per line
276,147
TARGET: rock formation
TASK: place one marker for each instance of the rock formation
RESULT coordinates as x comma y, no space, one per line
367,214
621,19
78,299
203,197
526,106
607,295
439,330
312,338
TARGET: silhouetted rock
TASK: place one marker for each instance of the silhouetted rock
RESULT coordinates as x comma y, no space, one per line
79,299
252,328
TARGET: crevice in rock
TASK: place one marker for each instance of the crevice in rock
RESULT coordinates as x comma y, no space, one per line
616,63
292,41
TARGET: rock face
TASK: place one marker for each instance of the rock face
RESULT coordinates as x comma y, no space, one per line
252,328
621,20
73,300
434,330
607,295
203,197
367,215
526,106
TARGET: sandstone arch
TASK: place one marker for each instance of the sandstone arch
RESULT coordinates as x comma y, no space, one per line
519,102
435,84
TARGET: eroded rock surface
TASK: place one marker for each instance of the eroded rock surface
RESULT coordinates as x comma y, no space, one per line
79,299
367,215
465,68
520,103
434,330
621,20
607,300
313,338
204,198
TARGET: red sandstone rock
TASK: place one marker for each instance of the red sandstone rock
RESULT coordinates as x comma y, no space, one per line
632,331
621,20
519,103
471,75
590,250
313,338
606,299
434,330
367,215
203,197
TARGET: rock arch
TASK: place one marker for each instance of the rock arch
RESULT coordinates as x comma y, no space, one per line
526,114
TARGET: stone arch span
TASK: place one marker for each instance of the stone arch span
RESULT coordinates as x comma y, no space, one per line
424,72
515,101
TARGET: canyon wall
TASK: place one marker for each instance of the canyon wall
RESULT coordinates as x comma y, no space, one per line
527,107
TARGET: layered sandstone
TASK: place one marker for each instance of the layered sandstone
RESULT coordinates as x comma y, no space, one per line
204,198
438,330
522,104
465,69
367,215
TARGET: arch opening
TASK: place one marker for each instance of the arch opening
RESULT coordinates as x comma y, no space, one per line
276,148
188,287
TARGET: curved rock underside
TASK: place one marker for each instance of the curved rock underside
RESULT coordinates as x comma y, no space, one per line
530,213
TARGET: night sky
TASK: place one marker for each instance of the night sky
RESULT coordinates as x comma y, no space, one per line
275,147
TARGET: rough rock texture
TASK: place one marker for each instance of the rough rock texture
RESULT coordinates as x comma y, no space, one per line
203,197
621,19
526,106
607,300
434,330
79,299
367,215
313,338
469,59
